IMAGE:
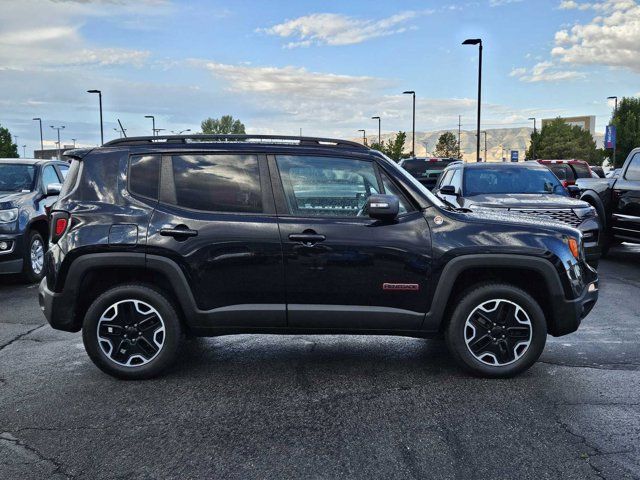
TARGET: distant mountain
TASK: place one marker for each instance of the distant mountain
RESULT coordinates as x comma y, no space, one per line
500,141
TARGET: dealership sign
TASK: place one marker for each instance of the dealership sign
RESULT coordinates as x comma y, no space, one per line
610,137
514,155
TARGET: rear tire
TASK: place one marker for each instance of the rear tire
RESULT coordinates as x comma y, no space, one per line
33,258
496,331
132,332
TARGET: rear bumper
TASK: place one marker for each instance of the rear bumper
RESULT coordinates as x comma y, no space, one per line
568,314
57,309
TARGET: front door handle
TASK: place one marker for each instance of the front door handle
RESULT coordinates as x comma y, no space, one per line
178,232
307,239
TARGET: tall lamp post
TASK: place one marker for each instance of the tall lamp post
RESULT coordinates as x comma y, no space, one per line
41,139
477,41
364,136
533,143
24,151
379,134
413,129
58,129
153,123
614,112
101,126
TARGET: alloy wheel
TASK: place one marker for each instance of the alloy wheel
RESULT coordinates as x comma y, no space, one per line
498,332
131,333
37,256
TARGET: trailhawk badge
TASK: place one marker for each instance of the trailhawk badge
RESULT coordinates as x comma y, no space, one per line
411,287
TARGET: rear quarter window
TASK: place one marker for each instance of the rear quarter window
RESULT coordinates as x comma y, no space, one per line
144,175
70,179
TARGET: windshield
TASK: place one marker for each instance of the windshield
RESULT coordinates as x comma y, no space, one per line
481,181
15,177
422,168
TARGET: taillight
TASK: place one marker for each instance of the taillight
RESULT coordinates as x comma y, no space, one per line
59,222
565,184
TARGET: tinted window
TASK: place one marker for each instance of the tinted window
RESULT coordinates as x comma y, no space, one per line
446,178
633,170
321,186
16,178
561,170
582,170
144,175
423,168
391,189
49,175
64,169
217,183
479,181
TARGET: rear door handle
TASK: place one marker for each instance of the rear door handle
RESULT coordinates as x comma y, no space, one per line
307,239
178,232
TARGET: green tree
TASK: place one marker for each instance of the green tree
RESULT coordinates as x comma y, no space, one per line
627,122
8,149
559,140
393,148
222,126
447,146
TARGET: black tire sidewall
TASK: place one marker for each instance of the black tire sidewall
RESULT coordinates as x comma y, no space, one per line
173,332
27,270
468,302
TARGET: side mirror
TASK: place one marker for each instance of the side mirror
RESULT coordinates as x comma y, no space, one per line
383,207
574,191
448,190
53,189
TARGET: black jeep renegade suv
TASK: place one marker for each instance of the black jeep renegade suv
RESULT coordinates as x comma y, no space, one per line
156,237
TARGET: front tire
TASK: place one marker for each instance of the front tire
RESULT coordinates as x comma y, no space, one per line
132,332
496,331
33,259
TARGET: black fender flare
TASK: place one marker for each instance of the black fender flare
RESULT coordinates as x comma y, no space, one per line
593,199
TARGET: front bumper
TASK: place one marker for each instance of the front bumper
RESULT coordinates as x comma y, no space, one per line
11,261
57,309
568,314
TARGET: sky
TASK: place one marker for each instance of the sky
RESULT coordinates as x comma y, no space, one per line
325,67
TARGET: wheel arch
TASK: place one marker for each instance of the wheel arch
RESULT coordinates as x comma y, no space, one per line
593,199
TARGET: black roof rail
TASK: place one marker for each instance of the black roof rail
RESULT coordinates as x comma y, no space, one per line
260,139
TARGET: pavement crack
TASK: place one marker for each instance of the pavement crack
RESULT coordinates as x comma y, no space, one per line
614,367
6,437
19,337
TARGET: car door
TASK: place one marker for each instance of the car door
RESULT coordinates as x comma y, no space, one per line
626,198
216,219
344,270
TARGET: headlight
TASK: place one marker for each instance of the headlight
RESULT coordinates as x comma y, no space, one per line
7,216
585,212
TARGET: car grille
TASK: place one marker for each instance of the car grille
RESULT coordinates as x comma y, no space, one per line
565,216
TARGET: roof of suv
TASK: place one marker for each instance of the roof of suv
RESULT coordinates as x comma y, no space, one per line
481,165
25,161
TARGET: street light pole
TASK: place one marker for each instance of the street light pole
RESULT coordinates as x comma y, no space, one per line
459,137
477,41
614,113
379,134
101,126
364,136
41,139
24,151
58,129
153,123
413,136
533,143
485,145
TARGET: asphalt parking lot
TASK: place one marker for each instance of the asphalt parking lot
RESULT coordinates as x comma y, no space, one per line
325,407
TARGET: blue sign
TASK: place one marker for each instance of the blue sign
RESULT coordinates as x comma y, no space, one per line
514,155
610,137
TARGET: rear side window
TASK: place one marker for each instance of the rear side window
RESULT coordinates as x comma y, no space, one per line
633,170
217,183
144,175
582,171
70,178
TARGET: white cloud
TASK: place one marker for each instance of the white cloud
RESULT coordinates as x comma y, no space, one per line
500,3
335,29
611,38
544,72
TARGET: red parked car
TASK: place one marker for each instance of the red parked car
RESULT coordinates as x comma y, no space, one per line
568,171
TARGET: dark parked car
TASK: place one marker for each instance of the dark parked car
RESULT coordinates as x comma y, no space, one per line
568,171
599,171
617,201
426,170
27,189
154,237
526,188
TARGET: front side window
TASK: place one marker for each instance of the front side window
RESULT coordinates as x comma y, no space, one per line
49,176
217,183
391,189
16,178
633,170
456,180
504,179
324,186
